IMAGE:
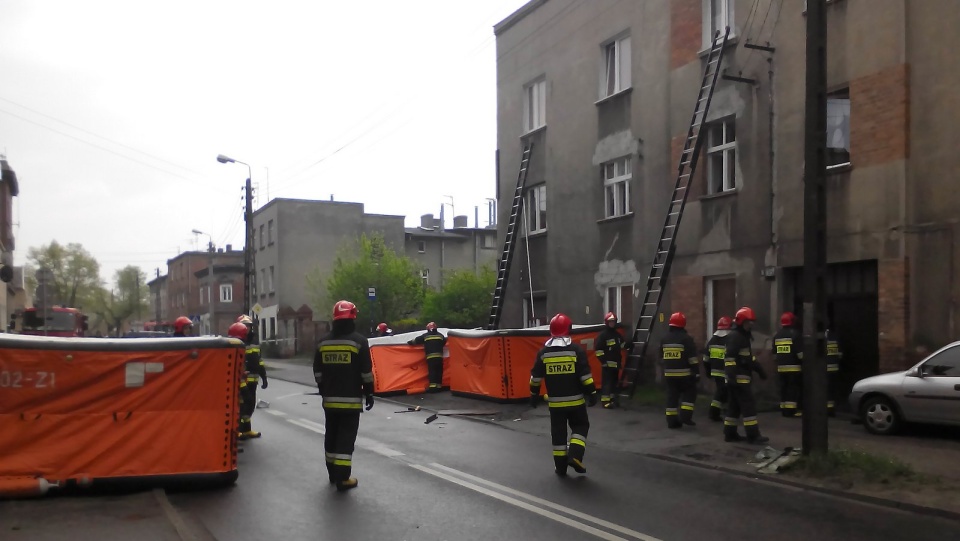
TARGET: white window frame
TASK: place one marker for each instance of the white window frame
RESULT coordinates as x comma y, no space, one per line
534,203
226,292
616,173
726,152
421,246
727,18
840,108
618,310
615,66
488,242
425,277
534,105
270,284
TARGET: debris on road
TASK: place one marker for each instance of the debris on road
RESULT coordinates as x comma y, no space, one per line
468,412
773,461
431,419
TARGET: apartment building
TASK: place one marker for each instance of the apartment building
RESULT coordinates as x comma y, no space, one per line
438,250
220,284
293,237
605,90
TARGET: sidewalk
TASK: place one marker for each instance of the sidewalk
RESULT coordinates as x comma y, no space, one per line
144,516
933,453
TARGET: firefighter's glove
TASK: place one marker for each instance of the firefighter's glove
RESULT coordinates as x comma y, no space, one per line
265,383
534,400
592,399
369,401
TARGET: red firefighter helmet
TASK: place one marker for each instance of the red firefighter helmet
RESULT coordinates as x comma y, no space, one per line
744,314
560,325
238,330
723,324
788,319
182,323
344,310
431,326
245,319
677,319
609,316
382,327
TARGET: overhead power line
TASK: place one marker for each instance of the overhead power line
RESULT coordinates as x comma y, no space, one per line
111,141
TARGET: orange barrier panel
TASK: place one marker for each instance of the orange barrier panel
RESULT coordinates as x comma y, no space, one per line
477,366
90,411
497,364
399,368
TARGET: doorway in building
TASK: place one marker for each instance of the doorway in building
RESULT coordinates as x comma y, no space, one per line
852,306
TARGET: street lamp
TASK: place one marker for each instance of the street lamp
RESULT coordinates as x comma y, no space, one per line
248,264
210,281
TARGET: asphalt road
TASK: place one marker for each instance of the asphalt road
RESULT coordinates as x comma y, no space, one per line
459,479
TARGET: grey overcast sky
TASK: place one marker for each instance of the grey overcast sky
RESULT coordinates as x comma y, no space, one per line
112,113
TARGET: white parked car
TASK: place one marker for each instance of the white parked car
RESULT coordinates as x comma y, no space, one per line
927,393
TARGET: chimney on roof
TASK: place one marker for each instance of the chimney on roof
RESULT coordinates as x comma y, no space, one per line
229,247
460,222
427,221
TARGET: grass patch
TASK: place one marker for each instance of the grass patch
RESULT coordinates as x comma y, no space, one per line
656,396
848,467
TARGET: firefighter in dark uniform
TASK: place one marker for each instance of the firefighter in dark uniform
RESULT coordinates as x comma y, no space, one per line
834,355
254,372
344,374
562,366
681,372
713,366
788,351
610,345
739,365
182,326
433,342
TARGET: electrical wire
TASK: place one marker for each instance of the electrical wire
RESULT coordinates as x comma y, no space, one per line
78,128
97,146
291,181
386,103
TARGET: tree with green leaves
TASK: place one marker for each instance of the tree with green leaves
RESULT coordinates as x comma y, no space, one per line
464,302
365,263
75,273
128,300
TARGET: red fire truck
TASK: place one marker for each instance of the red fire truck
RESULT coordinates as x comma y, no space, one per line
54,321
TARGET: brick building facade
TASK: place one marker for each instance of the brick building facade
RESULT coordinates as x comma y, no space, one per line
605,159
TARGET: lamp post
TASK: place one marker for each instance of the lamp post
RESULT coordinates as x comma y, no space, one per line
249,275
210,281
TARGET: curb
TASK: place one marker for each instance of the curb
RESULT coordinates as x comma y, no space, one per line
862,498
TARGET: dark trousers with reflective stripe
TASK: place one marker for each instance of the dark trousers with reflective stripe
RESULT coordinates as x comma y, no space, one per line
248,404
720,397
339,440
576,417
741,404
790,392
681,395
608,386
435,373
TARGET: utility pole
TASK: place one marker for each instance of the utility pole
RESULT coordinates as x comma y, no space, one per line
815,433
249,276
